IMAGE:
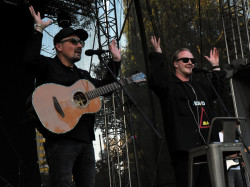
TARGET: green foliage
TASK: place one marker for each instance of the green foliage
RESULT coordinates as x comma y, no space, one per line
183,23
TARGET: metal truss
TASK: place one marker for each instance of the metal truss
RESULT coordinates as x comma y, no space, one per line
106,22
115,135
235,15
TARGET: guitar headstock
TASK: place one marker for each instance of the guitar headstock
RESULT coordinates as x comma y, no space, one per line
139,77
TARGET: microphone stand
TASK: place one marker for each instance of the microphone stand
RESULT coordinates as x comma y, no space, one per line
226,110
130,98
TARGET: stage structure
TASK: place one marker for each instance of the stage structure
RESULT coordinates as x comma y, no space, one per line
235,15
115,134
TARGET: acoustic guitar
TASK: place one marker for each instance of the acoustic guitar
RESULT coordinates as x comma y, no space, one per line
59,108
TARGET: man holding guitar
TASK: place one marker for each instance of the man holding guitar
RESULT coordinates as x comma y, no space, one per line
68,152
186,107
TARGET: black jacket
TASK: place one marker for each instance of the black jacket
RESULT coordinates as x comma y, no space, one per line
186,106
51,70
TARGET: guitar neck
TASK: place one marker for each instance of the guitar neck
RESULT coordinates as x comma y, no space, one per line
107,88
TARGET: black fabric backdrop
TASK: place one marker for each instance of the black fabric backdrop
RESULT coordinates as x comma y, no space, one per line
18,155
239,70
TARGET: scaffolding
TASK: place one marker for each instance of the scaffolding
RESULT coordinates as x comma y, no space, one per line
235,14
115,135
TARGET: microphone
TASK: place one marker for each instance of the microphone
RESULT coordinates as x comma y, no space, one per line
199,70
91,52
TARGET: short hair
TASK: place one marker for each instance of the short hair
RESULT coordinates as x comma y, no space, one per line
176,54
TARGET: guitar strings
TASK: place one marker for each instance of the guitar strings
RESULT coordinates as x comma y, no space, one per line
79,97
91,94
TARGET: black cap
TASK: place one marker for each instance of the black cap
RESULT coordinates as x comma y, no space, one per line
65,32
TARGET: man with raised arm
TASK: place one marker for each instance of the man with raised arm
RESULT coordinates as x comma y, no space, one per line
69,155
186,107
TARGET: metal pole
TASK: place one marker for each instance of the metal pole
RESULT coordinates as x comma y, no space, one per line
117,141
228,56
107,141
238,27
232,27
126,139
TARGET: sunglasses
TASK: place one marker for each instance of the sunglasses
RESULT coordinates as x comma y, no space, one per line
74,41
186,60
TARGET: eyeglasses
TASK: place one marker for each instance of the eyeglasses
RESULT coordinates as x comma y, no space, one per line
186,60
74,41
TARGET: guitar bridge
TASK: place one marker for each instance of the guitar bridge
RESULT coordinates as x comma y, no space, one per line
58,107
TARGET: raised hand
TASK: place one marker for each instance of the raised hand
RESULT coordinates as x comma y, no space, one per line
116,53
156,44
39,22
214,57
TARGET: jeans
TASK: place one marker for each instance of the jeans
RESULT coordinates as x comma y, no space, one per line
70,157
235,178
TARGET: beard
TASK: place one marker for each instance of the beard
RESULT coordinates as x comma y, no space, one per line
75,59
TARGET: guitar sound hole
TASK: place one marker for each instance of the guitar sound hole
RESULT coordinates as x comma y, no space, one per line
80,99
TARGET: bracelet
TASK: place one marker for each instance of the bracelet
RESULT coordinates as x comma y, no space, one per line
214,67
39,28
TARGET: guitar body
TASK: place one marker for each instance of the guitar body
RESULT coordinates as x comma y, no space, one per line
59,108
